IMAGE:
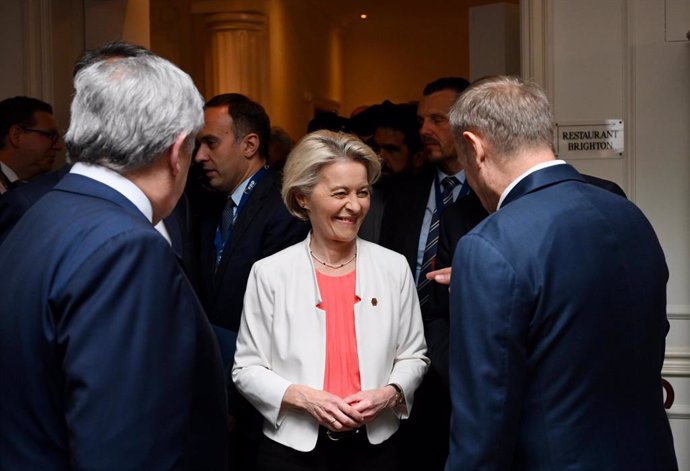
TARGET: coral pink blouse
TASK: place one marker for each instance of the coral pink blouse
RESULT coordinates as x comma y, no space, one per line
342,362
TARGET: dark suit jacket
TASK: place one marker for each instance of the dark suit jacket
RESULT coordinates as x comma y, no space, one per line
404,214
107,360
558,329
16,202
459,219
263,227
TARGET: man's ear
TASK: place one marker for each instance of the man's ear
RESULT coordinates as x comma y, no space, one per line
14,135
175,161
476,145
250,145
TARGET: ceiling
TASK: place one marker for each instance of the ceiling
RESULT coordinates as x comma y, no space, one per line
345,12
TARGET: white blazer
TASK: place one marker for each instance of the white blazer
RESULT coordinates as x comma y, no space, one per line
282,337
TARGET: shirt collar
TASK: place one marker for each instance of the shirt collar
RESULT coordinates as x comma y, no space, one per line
512,185
8,172
460,176
118,183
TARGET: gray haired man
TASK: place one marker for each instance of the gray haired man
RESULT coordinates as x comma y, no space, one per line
124,369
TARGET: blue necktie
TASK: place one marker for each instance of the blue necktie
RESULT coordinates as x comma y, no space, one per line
424,285
227,219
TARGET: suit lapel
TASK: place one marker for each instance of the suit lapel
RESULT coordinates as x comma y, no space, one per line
244,219
542,178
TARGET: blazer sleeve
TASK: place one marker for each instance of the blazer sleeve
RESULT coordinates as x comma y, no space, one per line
252,372
410,361
131,331
488,328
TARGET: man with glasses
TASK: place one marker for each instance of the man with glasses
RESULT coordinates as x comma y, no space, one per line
29,140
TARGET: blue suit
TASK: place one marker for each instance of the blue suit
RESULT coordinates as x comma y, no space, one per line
558,325
13,205
263,227
107,360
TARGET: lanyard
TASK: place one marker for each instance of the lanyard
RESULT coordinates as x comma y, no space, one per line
218,242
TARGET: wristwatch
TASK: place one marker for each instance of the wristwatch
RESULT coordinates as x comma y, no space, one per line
399,396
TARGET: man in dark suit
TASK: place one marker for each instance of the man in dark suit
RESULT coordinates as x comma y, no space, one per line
232,151
29,140
13,204
459,219
410,226
414,204
107,360
246,222
555,353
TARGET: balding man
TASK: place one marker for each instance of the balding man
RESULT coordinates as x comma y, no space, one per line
558,304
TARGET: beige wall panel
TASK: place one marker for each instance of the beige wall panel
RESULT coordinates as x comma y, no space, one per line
394,57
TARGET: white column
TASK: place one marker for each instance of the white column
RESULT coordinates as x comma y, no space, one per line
237,54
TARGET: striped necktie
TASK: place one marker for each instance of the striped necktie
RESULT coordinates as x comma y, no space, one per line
424,285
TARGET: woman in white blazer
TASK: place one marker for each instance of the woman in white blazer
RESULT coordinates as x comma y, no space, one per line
331,346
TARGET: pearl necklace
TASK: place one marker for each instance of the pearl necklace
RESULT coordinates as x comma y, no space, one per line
335,267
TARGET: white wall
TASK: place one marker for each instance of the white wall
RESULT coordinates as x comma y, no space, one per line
608,59
494,40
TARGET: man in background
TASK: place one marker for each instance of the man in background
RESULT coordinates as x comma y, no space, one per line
394,135
106,357
245,221
411,227
29,140
13,204
558,304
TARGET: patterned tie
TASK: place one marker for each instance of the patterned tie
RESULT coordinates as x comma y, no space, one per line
227,219
424,285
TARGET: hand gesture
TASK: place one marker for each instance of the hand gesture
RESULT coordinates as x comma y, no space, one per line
372,402
328,409
441,276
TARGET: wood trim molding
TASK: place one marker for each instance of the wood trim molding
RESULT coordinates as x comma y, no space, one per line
678,312
630,101
536,39
676,364
680,412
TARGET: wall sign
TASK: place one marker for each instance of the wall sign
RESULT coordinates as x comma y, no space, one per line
590,140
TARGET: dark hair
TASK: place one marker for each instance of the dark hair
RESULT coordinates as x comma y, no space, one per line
399,117
458,84
107,51
403,118
330,121
247,117
20,111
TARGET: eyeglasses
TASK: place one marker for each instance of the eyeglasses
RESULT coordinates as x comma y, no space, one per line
52,135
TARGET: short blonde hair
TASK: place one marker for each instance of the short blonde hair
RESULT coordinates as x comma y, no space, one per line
315,151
